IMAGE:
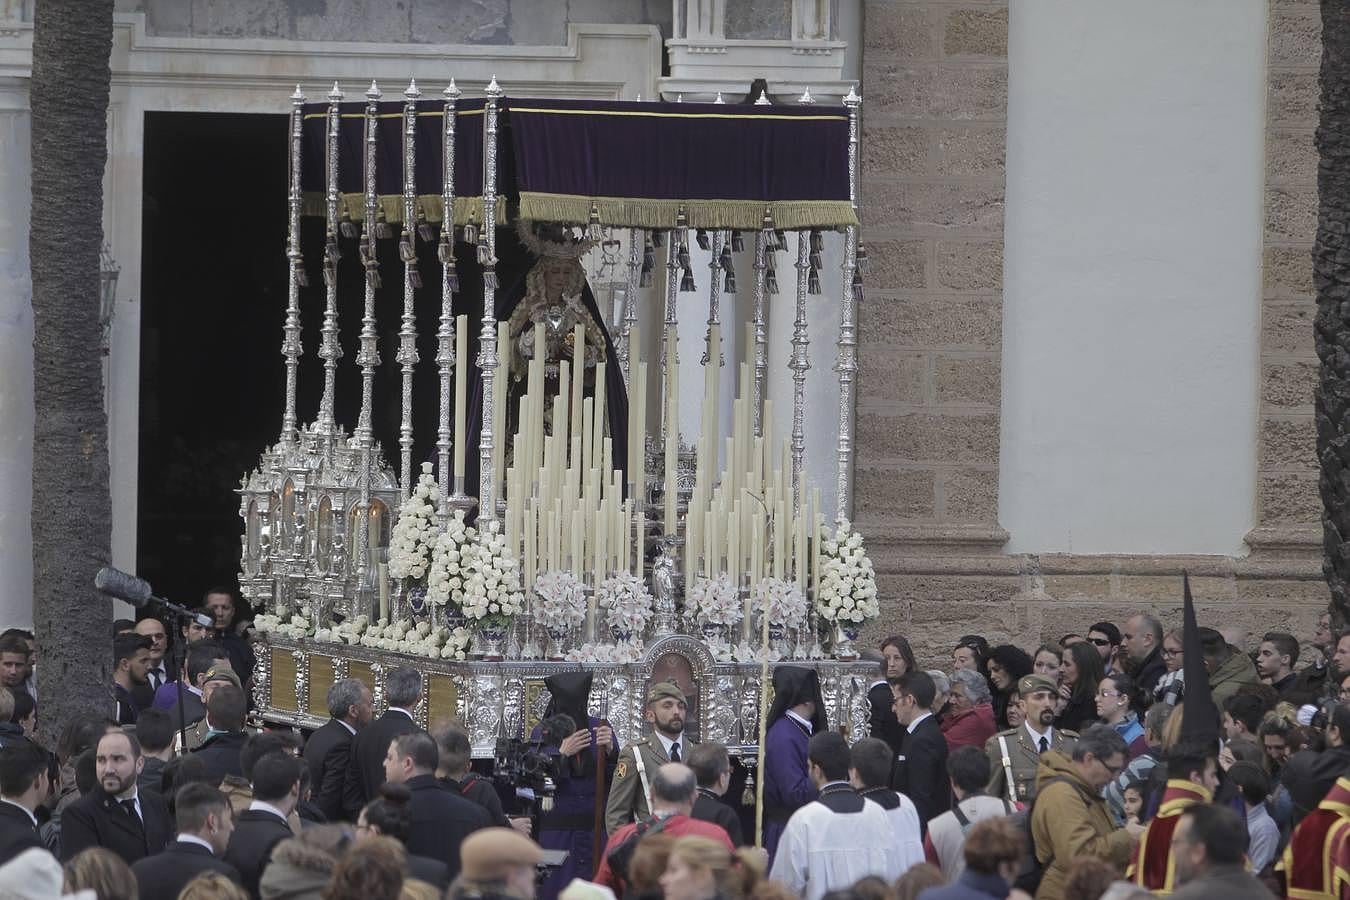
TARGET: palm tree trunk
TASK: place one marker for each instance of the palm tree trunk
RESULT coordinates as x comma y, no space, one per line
72,507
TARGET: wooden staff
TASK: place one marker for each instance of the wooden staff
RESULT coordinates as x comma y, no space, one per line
598,826
763,706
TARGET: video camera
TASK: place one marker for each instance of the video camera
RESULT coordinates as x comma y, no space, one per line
527,766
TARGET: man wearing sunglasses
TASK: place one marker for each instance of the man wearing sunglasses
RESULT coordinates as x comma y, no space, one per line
1106,638
1069,819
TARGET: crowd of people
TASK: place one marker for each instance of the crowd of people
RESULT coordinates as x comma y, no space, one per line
1068,771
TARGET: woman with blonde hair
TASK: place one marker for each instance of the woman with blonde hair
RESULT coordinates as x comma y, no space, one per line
102,872
700,868
212,886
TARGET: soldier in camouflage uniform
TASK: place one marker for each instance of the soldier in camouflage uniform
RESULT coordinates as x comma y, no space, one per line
1014,754
629,797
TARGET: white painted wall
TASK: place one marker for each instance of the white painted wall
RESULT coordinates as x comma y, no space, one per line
1132,275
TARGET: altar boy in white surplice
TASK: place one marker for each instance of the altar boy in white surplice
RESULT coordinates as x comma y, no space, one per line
837,838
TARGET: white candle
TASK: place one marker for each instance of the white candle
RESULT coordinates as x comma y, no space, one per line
597,424
560,403
578,379
530,547
382,575
640,479
461,387
587,433
499,436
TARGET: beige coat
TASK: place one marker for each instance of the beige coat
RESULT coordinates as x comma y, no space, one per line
1070,820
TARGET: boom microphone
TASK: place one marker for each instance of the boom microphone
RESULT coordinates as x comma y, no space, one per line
137,592
119,584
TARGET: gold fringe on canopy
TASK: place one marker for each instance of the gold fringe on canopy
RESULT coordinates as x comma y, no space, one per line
746,215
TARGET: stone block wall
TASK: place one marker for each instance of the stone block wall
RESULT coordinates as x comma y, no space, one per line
934,118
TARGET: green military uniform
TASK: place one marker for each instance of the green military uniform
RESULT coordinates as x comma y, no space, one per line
1023,754
628,795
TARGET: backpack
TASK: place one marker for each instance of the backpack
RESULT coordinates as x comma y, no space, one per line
966,824
1032,870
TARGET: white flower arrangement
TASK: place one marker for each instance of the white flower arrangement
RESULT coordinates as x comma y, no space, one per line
743,653
415,529
292,627
446,577
783,600
626,602
607,653
492,589
561,600
715,601
848,583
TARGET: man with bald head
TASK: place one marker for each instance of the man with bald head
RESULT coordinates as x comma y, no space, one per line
156,672
674,790
1142,640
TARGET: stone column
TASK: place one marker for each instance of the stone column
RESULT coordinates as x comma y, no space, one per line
16,360
1288,506
934,116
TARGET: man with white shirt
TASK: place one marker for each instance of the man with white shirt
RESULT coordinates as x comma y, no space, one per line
205,824
630,795
114,815
257,830
23,785
156,673
1015,754
327,750
365,765
869,771
837,838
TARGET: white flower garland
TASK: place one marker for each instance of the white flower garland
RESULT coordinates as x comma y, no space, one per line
415,529
784,601
419,639
626,601
715,601
848,583
492,587
607,653
293,627
560,600
447,575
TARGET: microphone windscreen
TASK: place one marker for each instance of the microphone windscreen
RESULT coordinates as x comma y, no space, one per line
116,583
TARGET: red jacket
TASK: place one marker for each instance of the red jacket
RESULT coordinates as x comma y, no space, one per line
676,826
970,728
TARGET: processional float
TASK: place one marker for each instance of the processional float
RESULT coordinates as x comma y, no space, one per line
582,533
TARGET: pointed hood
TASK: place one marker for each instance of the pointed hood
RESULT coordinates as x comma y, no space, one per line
793,685
570,693
1201,721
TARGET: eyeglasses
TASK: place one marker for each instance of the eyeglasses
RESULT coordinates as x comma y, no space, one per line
1107,692
1170,653
1101,642
1114,770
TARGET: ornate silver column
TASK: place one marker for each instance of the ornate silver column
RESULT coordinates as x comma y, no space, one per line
799,363
635,240
487,335
291,347
445,335
330,351
715,245
407,248
846,360
761,342
368,356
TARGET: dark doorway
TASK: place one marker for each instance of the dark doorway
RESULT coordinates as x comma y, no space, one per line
213,301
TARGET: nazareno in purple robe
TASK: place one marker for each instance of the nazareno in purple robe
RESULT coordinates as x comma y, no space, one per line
787,786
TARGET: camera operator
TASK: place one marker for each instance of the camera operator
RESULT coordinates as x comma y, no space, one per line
570,824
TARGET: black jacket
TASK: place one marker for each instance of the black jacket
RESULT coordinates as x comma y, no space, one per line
710,808
432,871
365,766
162,876
884,724
256,835
326,754
480,790
439,820
220,754
17,832
921,771
151,776
128,710
97,820
1147,675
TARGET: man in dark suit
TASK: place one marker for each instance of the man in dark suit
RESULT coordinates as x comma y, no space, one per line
438,818
365,765
921,767
115,815
155,731
712,768
328,749
257,830
204,827
131,660
225,718
23,786
455,755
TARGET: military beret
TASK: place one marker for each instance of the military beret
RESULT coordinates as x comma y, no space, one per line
223,672
489,854
1030,684
664,689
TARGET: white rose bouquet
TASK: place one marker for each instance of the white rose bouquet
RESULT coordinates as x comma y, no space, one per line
447,575
626,602
714,601
492,589
848,583
410,543
561,600
783,600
